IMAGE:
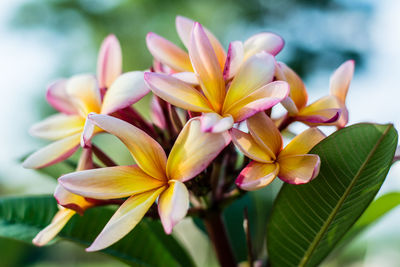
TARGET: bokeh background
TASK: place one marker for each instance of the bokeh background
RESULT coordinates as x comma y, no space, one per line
43,40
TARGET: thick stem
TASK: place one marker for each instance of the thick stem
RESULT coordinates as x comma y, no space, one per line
219,237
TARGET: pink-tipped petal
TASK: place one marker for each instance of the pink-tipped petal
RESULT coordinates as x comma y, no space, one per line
58,126
110,182
126,90
214,123
263,42
147,153
57,224
176,92
53,153
194,150
206,66
173,205
109,62
257,175
323,111
253,74
340,80
303,142
125,219
262,99
234,59
249,147
184,27
265,133
298,169
157,114
85,93
168,53
58,98
298,92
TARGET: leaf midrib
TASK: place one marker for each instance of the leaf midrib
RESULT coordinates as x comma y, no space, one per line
331,217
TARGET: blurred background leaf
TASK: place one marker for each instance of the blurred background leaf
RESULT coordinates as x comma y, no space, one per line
21,218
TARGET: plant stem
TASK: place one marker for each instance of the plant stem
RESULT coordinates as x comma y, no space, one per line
246,228
217,232
285,122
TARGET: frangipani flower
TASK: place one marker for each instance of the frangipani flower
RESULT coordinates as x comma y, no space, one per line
329,110
154,177
339,86
69,205
178,60
78,96
264,145
222,103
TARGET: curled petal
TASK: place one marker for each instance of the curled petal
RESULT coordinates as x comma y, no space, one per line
168,53
298,169
157,114
265,133
344,117
125,91
58,98
340,80
173,205
214,123
85,93
194,150
303,142
262,99
298,92
323,111
263,42
53,153
57,224
234,59
206,66
184,27
256,72
147,153
176,92
71,201
58,126
87,133
246,144
257,175
110,182
125,219
109,62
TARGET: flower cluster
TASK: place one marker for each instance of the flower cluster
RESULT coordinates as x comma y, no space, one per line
209,107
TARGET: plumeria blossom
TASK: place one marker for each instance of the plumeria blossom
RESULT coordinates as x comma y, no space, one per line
69,205
177,60
78,96
264,145
154,177
222,103
329,110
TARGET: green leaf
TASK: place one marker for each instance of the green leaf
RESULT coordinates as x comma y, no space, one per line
378,209
308,220
22,218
